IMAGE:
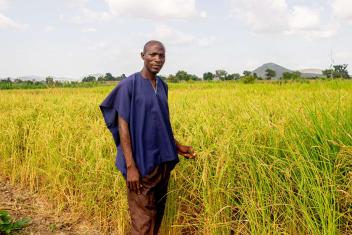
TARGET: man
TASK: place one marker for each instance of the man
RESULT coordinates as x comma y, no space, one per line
137,114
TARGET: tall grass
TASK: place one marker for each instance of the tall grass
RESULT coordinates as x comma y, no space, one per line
271,158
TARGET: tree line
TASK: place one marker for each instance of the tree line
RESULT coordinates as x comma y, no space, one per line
337,71
103,78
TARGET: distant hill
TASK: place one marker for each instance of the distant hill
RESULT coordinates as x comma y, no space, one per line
260,71
307,73
31,78
311,70
41,78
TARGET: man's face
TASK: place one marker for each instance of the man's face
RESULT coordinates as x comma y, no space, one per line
154,57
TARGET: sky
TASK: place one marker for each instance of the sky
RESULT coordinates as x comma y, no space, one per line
75,38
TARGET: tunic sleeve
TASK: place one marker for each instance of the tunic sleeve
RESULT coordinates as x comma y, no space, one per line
117,103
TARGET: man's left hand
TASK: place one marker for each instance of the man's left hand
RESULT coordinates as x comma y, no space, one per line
186,151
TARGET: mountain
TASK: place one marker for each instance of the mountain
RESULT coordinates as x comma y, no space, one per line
260,71
31,78
62,79
306,73
41,78
97,75
311,72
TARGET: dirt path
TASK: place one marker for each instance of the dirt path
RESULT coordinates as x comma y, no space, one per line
44,220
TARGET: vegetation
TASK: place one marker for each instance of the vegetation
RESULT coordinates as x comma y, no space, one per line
248,79
106,77
291,75
272,159
208,76
8,225
338,71
7,84
269,74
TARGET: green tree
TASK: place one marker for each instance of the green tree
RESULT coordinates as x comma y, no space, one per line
171,78
109,77
208,76
182,76
328,73
120,78
340,71
236,76
291,75
248,79
194,77
89,78
232,76
221,74
256,76
247,73
49,80
269,74
101,78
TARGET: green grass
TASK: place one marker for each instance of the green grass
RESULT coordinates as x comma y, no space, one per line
272,158
9,225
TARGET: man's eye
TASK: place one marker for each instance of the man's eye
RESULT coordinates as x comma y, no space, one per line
155,54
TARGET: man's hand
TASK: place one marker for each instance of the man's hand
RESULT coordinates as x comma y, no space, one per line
186,151
134,180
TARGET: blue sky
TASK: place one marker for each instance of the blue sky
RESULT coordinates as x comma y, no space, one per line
74,38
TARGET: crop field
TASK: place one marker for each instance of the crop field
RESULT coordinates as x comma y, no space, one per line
272,158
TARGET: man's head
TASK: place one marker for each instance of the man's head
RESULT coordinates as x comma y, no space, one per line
154,56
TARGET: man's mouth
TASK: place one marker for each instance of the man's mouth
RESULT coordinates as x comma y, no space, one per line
156,66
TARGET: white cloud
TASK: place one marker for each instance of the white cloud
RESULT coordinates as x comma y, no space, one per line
304,18
343,56
203,14
322,32
88,16
342,9
172,36
7,23
89,30
151,9
275,16
49,28
62,17
206,42
97,45
4,4
268,16
147,9
307,23
76,3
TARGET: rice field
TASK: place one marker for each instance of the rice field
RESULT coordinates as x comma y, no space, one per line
272,158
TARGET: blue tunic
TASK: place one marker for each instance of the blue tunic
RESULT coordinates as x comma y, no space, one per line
147,113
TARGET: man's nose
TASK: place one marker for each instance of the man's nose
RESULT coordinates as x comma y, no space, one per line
158,58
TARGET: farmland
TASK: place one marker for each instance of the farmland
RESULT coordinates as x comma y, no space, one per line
272,158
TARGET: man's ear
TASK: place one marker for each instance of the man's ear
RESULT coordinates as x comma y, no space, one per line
142,55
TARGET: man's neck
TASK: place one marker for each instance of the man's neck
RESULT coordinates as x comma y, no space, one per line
148,75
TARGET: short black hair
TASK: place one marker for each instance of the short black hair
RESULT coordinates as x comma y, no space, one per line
152,42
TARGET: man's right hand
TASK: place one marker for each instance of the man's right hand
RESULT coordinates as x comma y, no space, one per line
134,182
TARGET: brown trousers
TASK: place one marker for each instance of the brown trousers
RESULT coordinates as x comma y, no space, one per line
147,209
